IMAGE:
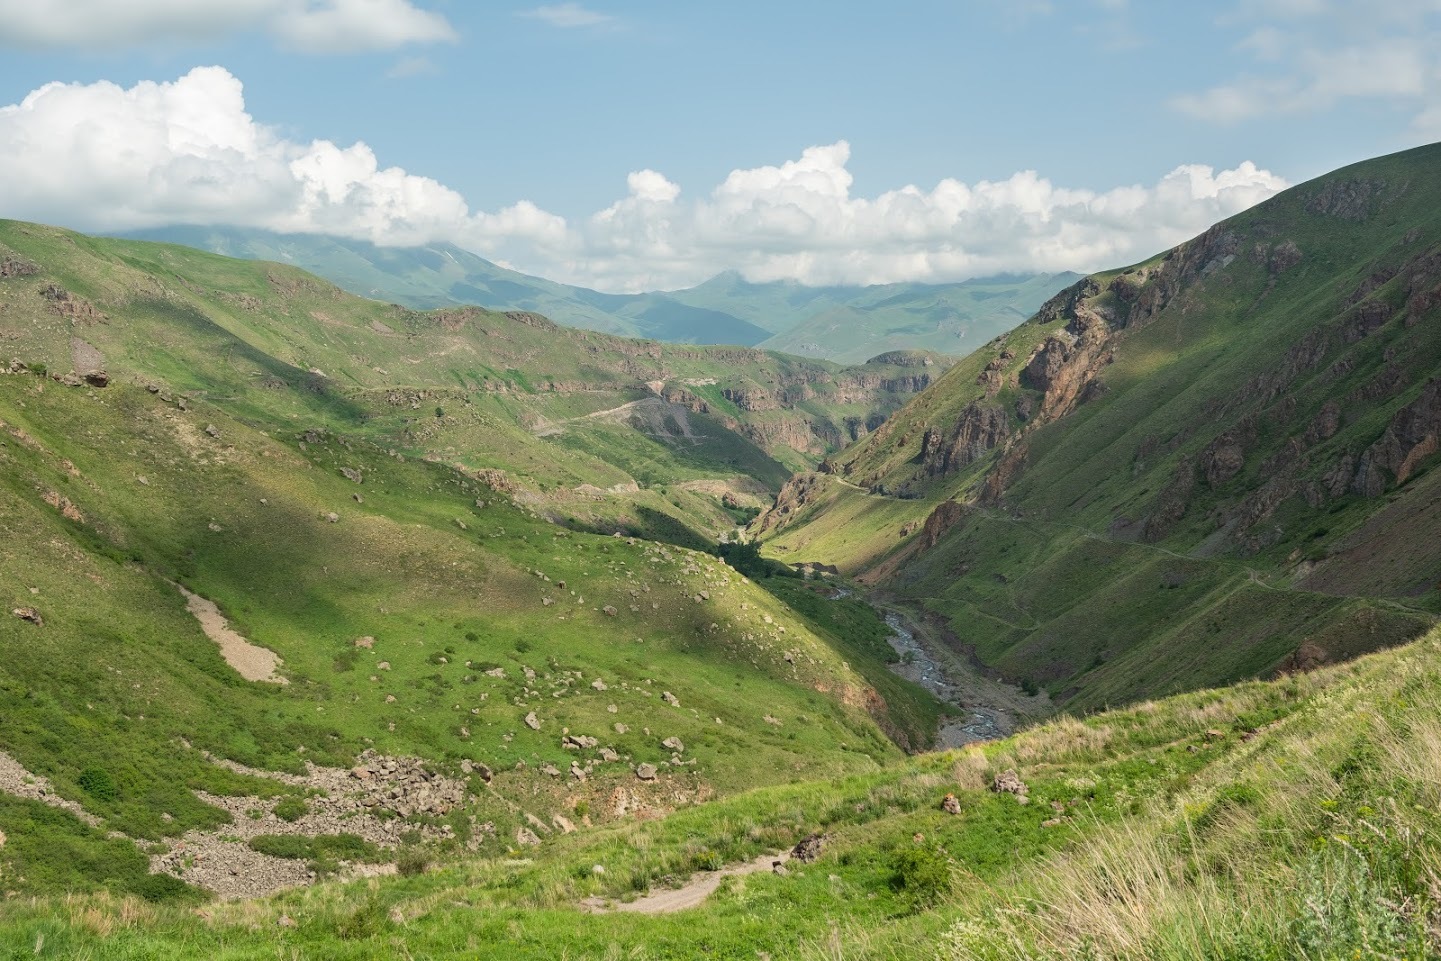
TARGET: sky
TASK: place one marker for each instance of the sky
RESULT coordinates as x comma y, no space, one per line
650,145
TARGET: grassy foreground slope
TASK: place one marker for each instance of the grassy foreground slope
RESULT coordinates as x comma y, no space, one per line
1289,819
614,432
1209,466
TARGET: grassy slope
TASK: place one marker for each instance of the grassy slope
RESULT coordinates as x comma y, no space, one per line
221,477
1296,818
250,334
1060,585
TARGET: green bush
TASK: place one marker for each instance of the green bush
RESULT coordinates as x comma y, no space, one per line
97,782
412,861
922,876
291,809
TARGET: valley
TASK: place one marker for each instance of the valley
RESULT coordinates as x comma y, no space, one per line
344,629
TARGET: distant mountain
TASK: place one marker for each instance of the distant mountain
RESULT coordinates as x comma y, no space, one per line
848,324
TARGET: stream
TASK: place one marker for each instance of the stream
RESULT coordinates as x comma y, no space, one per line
982,708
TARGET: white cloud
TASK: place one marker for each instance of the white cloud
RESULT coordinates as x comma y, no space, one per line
318,26
1311,55
567,15
100,157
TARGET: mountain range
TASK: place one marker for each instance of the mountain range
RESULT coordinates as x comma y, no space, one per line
839,323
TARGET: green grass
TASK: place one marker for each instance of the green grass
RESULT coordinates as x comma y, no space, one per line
1177,829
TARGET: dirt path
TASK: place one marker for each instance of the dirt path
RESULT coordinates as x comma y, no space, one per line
693,892
252,662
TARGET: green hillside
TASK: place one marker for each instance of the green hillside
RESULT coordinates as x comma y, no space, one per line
1209,466
613,432
442,555
839,323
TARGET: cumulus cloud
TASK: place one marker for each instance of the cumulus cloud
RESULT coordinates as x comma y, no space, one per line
105,158
318,26
1310,55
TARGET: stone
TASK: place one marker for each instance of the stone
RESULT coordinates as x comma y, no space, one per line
809,848
646,772
779,868
383,666
212,431
526,837
29,614
670,699
674,743
366,642
532,722
598,684
285,921
621,728
951,804
1009,782
333,517
609,611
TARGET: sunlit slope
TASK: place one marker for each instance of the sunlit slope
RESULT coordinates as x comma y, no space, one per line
1207,466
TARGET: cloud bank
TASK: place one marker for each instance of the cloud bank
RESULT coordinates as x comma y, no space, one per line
313,26
103,158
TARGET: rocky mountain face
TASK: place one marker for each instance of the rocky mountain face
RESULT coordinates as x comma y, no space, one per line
1249,411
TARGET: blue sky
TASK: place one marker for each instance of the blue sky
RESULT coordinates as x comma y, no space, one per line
629,145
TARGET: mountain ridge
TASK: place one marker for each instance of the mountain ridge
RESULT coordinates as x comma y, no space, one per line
723,310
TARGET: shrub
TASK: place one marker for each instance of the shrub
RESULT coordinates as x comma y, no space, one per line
97,782
291,809
923,876
412,861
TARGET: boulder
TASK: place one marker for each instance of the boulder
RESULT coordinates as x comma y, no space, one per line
29,614
674,743
809,848
532,722
1009,782
950,804
646,772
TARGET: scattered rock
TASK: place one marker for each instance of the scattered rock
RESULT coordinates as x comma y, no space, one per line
646,772
383,666
526,837
598,684
779,868
1009,782
366,642
212,431
576,742
670,699
333,517
674,743
621,728
951,804
29,614
351,474
532,722
809,848
609,611
285,921
1214,735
